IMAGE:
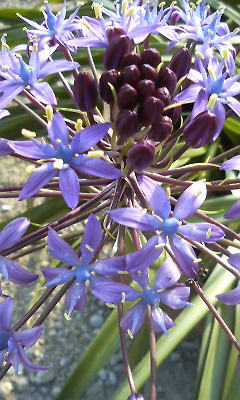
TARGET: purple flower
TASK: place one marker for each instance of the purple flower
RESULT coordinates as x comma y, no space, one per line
171,226
13,342
9,236
18,75
234,211
4,113
177,298
212,90
55,28
66,159
232,163
232,298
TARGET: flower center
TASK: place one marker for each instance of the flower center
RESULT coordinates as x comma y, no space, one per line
82,274
4,337
65,153
217,85
151,297
170,226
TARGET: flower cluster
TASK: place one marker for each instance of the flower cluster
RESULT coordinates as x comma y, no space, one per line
126,157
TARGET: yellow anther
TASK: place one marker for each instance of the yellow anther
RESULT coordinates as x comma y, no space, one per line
144,211
130,334
210,31
209,232
78,125
162,4
28,134
110,305
30,169
28,87
173,4
86,24
179,223
18,15
181,80
49,112
123,272
68,318
58,164
95,154
5,68
130,11
197,260
199,54
35,47
226,54
212,101
58,141
168,192
212,73
99,119
97,9
125,5
89,248
193,6
123,297
159,246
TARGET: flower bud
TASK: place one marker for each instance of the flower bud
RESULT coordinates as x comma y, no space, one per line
151,56
115,51
161,129
107,77
181,62
150,110
126,124
85,91
127,97
201,130
148,72
145,88
141,155
174,113
174,17
114,32
167,78
164,95
135,396
131,75
131,59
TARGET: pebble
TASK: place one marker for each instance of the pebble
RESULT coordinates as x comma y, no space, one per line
6,207
96,321
102,374
6,388
55,390
21,382
174,357
112,378
42,377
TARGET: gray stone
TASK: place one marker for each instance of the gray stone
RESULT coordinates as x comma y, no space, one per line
102,374
96,321
6,388
112,378
21,382
42,377
174,357
55,390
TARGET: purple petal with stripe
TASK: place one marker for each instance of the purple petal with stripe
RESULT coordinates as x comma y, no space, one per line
110,291
58,130
189,95
69,186
91,238
61,249
39,178
234,104
156,196
135,218
233,212
176,298
44,93
200,104
6,310
57,276
9,93
56,66
167,275
5,149
96,167
76,297
134,318
28,337
234,260
111,266
33,149
161,321
88,137
17,274
232,163
185,256
12,232
28,364
231,298
220,113
207,233
190,200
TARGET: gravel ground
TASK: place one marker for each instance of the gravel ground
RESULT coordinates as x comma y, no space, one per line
65,341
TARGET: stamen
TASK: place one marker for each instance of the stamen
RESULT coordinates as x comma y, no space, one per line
35,47
78,125
226,54
97,7
200,55
86,24
212,101
159,246
168,192
89,248
58,164
30,169
209,232
212,73
28,134
110,305
197,260
130,334
123,297
49,112
68,318
95,154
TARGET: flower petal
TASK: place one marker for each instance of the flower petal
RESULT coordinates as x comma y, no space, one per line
88,137
12,232
61,249
58,130
5,149
176,298
185,256
29,336
57,276
33,149
39,178
135,218
167,275
6,310
207,233
28,364
110,266
76,297
56,66
231,298
134,318
233,212
96,167
17,274
43,92
190,200
69,185
232,163
161,321
91,238
110,291
156,196
234,260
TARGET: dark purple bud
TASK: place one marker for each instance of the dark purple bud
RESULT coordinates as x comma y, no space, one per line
127,123
148,72
150,110
174,17
161,129
85,91
127,97
151,56
141,155
104,88
145,88
131,59
135,396
167,78
181,62
115,51
114,32
174,113
164,95
201,130
131,75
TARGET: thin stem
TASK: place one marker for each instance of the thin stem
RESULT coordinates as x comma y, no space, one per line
92,65
31,112
153,362
213,310
226,154
33,100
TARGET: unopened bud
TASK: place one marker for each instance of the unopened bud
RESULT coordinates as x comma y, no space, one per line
114,32
201,130
174,18
127,97
135,396
145,88
150,110
174,113
104,88
141,155
181,62
164,95
85,91
127,123
161,129
148,72
167,78
131,59
115,51
131,75
151,56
